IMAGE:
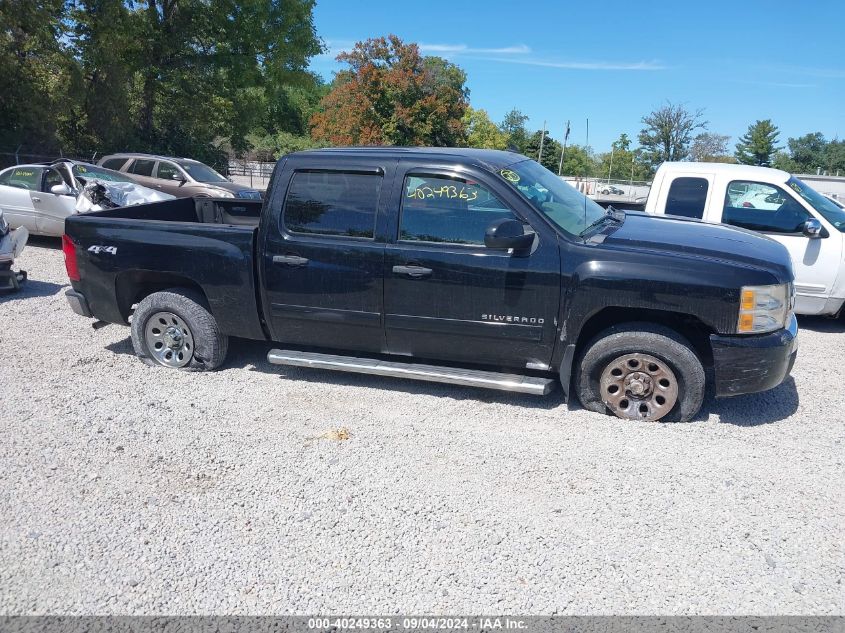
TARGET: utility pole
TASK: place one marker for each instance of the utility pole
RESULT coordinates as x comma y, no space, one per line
542,138
612,149
563,151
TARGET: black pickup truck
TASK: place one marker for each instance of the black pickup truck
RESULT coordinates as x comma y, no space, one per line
463,266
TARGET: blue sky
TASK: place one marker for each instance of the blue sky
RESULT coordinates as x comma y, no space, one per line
615,61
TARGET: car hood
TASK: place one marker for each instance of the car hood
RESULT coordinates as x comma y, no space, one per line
688,237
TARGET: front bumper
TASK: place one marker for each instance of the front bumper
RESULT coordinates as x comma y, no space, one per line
748,364
78,303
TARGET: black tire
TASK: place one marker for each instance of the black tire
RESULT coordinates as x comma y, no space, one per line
642,338
209,344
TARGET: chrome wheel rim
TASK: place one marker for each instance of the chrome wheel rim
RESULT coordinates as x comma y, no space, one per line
169,339
639,387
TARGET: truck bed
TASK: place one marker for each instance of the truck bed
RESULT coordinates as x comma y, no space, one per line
191,210
205,244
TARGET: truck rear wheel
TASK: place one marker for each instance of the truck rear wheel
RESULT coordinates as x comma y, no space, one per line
174,328
640,371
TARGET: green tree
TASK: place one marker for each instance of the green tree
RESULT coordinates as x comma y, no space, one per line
513,127
205,65
105,53
758,145
709,147
623,163
481,131
34,72
551,150
270,147
835,157
578,161
668,132
390,94
622,143
171,76
808,152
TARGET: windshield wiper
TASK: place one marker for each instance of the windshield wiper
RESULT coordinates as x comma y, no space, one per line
611,214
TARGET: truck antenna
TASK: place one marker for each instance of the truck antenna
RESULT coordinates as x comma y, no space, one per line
586,186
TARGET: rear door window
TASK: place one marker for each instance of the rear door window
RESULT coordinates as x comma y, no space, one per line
114,163
334,203
142,167
687,197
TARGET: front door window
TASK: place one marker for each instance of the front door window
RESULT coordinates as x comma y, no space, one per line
762,207
51,179
448,210
168,171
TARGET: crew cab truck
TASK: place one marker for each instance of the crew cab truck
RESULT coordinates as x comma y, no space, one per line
464,266
774,203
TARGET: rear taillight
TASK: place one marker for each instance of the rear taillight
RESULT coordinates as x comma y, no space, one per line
69,250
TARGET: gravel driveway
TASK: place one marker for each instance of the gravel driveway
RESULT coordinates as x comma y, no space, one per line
263,489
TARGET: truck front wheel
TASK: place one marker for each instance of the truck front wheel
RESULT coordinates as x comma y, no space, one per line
174,328
640,371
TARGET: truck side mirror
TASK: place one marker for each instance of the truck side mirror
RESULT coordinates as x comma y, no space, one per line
812,228
508,233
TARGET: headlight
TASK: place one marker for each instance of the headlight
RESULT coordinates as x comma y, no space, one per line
763,308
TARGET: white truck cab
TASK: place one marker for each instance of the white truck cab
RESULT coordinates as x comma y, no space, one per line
768,201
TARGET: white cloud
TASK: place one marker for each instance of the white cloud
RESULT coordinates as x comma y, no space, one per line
827,73
463,49
514,54
576,65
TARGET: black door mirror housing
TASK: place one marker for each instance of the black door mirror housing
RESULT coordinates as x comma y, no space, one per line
507,234
812,228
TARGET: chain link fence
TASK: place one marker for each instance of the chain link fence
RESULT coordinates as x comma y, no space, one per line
11,157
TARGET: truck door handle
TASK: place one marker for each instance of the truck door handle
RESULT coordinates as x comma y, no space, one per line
290,260
416,272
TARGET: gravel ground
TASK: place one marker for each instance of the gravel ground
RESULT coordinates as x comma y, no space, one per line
133,490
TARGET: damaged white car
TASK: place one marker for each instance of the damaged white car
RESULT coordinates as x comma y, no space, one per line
39,197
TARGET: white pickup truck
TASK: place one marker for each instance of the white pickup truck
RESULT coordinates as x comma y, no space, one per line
768,201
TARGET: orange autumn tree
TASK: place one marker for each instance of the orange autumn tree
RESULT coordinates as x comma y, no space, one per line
392,95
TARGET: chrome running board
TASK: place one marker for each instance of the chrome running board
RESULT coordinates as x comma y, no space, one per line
431,373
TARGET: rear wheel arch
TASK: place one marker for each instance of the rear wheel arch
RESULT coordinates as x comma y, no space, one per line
133,286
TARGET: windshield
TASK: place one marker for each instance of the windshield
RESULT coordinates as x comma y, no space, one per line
551,196
202,173
828,209
91,171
